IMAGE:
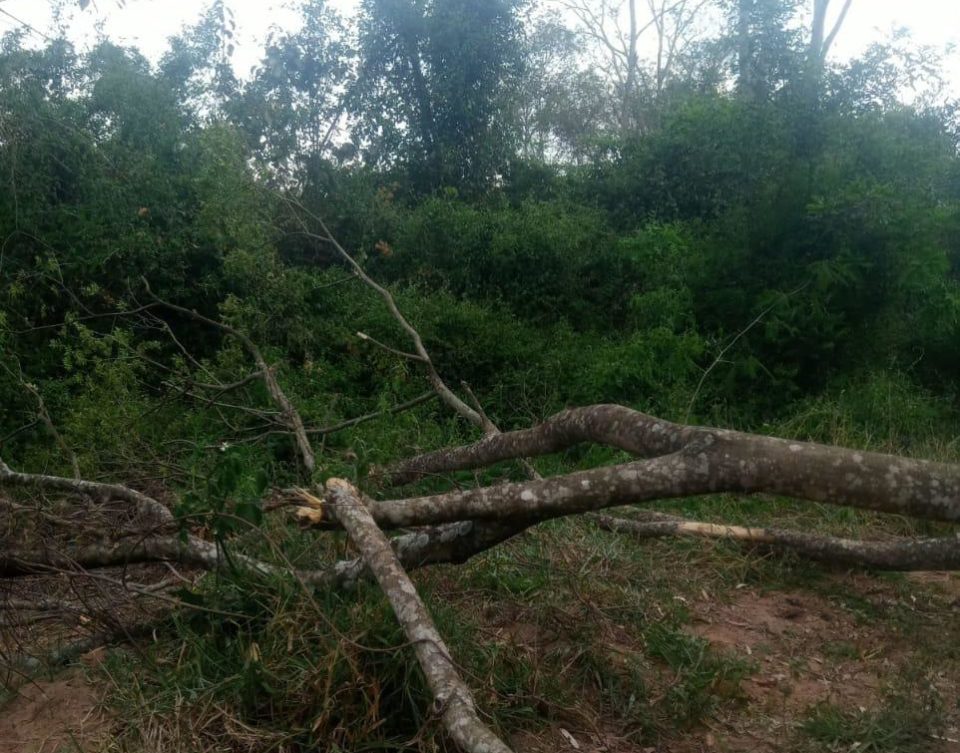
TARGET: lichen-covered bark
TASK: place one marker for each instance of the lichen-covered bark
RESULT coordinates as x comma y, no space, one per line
897,554
870,480
189,551
689,461
613,425
708,465
739,461
453,697
453,543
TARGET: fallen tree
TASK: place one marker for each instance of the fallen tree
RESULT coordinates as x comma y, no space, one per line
671,461
454,526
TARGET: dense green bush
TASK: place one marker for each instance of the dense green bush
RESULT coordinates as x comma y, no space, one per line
735,263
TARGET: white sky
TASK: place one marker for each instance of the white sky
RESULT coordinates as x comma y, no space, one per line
147,24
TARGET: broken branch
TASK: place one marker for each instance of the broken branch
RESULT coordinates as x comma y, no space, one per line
453,698
942,553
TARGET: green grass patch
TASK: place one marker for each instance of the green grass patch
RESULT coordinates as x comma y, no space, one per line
906,722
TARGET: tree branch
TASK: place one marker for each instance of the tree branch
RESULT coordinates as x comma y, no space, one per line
452,696
708,461
350,422
828,42
898,554
290,414
446,394
83,488
612,425
476,416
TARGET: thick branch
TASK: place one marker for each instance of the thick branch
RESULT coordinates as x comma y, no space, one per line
84,488
897,554
190,551
714,461
705,460
451,694
612,425
828,43
456,542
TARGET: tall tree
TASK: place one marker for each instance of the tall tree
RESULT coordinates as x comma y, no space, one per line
619,31
768,47
772,49
433,84
821,40
293,109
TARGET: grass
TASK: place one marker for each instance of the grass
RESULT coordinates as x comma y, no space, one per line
908,721
333,669
702,678
565,626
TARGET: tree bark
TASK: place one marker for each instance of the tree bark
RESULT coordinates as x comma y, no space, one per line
452,696
698,460
896,554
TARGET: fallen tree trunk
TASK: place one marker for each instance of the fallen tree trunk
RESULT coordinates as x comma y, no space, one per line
457,525
454,542
826,476
689,460
453,698
709,461
612,425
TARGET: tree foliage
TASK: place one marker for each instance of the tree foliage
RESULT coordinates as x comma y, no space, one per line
735,251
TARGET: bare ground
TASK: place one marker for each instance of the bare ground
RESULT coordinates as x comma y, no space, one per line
46,716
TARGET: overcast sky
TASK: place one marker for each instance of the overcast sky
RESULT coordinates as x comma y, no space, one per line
147,24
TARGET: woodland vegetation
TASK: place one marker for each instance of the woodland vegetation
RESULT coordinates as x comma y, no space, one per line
464,269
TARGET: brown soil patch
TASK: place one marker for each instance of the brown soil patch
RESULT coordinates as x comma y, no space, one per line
785,634
56,715
63,714
756,620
